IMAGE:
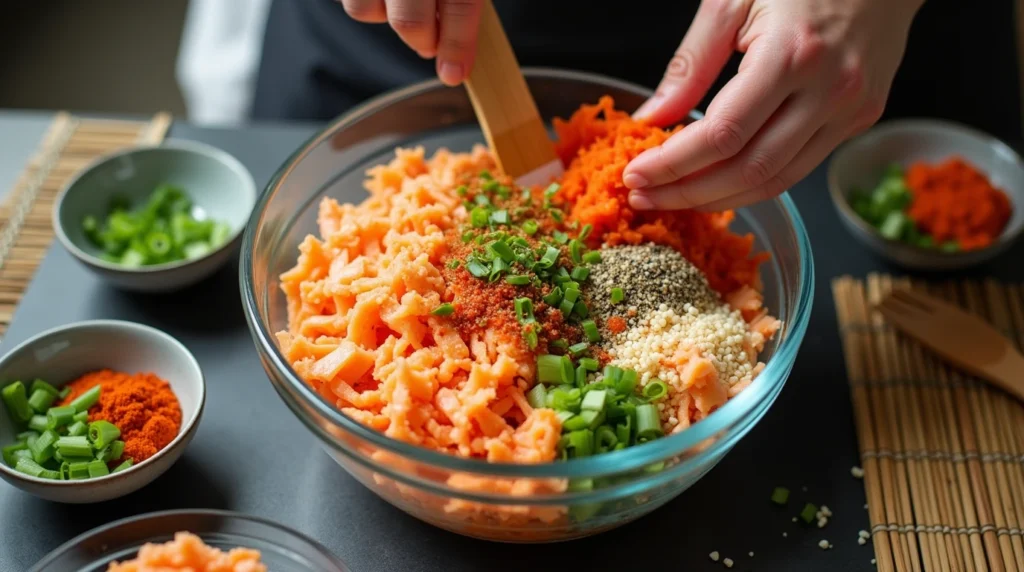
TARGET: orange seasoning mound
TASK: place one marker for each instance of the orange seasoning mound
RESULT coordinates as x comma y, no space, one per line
953,201
141,405
596,143
187,552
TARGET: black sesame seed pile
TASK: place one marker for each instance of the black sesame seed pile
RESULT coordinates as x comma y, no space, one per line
649,275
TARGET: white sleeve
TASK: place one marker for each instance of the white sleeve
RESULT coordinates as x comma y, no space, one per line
220,52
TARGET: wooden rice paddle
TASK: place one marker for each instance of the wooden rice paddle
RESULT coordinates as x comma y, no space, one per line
506,110
962,338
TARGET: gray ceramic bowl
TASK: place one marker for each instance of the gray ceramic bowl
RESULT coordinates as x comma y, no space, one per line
60,355
860,162
219,185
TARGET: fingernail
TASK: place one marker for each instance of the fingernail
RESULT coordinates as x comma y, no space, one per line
648,107
634,181
450,73
640,202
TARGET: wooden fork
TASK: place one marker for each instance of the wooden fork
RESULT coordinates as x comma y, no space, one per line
962,338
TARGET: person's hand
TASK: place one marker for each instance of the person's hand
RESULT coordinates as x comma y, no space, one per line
814,73
442,29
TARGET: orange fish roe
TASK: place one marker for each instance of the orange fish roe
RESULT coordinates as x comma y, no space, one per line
955,201
596,143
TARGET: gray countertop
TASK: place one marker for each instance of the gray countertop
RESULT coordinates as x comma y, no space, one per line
806,440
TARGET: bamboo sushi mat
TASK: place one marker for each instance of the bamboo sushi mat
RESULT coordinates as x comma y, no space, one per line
943,453
70,143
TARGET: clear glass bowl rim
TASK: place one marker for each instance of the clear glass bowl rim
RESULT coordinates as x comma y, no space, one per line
722,420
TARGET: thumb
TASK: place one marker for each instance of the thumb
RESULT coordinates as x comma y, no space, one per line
701,56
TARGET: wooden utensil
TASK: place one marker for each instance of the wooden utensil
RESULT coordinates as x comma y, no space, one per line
506,110
962,338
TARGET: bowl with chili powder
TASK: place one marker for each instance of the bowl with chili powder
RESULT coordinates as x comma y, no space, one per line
945,196
150,387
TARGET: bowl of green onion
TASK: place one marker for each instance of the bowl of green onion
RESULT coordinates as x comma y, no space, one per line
156,218
870,182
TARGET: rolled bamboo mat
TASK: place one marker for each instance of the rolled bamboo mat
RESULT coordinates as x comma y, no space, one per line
70,143
943,453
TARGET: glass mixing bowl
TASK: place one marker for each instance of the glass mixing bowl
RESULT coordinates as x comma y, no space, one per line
507,502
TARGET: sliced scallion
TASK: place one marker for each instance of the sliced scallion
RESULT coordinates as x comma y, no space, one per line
590,330
648,422
617,295
517,279
592,257
655,389
445,309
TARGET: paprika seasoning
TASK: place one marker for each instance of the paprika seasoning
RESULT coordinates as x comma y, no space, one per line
141,405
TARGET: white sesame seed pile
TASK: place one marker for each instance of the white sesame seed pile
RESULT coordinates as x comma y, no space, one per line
862,537
824,544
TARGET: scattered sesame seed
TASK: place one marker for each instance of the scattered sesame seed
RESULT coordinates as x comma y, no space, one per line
785,535
857,472
750,554
823,544
872,560
825,511
727,562
794,519
822,522
864,534
714,556
861,541
865,506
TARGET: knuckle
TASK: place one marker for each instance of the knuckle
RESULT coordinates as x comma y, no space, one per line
758,170
453,44
680,66
361,11
808,48
458,8
406,24
852,79
725,136
668,163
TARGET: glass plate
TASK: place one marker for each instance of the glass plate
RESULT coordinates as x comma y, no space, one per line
282,549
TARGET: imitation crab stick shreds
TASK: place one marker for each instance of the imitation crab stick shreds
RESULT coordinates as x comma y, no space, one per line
596,143
188,553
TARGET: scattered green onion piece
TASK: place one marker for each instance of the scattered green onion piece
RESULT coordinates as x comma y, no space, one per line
482,200
581,376
40,384
556,214
808,513
75,446
605,438
574,423
517,279
531,338
554,369
560,237
591,331
498,265
64,392
566,307
590,364
571,295
445,309
524,310
580,309
486,175
503,250
8,453
98,468
40,400
78,471
477,268
551,190
25,453
582,442
612,374
38,423
29,467
617,295
576,249
500,217
462,190
655,467
78,429
537,396
64,470
594,400
580,273
454,263
655,389
560,344
648,422
159,244
553,298
626,384
479,216
26,436
57,417
578,348
623,431
594,419
17,402
549,258
530,227
82,416
127,464
86,400
592,257
468,236
102,432
780,495
42,448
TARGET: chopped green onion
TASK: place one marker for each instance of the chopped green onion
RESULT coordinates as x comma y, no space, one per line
445,309
549,258
29,467
477,268
86,400
594,400
623,431
808,513
580,273
8,453
78,471
38,423
553,298
454,263
17,402
517,279
581,376
582,442
655,389
42,448
626,383
524,310
77,428
564,398
648,422
530,227
468,236
590,364
57,417
585,231
479,216
531,338
82,416
581,310
617,295
75,446
485,175
503,250
102,432
27,436
537,396
550,191
482,200
566,307
499,217
591,331
127,464
571,295
556,214
554,369
780,495
41,400
462,190
605,438
612,374
40,384
560,344
64,392
560,237
498,265
592,257
98,468
578,348
576,249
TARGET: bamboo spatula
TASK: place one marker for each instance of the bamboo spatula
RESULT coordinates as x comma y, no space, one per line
962,338
506,110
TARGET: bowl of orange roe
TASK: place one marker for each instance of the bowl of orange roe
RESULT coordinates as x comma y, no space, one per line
929,194
95,410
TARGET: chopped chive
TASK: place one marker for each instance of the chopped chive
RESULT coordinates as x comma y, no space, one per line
98,468
612,374
524,310
580,273
582,442
38,423
648,423
571,295
15,398
40,400
576,249
445,309
617,295
808,513
780,495
655,389
127,464
500,217
553,298
503,250
517,279
574,423
57,417
530,227
560,237
537,396
592,257
585,231
566,307
549,258
590,330
498,266
578,348
86,400
103,432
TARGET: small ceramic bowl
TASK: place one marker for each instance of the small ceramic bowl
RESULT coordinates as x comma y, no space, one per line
860,162
61,355
219,185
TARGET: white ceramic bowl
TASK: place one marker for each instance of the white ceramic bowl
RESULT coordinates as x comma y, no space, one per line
61,355
218,184
860,162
